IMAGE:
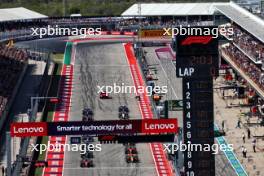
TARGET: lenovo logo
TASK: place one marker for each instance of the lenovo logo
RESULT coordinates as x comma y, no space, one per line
196,40
160,126
28,129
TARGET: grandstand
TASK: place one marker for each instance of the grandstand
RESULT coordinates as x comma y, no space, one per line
16,22
12,64
13,61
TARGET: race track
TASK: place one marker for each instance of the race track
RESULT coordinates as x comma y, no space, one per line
99,65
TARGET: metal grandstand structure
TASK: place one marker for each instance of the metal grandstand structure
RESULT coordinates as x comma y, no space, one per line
20,13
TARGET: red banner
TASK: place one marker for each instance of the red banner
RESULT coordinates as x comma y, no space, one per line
159,126
29,129
109,127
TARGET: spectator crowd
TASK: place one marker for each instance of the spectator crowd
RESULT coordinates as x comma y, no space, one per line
244,63
244,42
14,29
12,61
156,22
248,44
18,29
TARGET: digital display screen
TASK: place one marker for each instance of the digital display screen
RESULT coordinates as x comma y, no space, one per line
202,65
197,56
198,122
197,63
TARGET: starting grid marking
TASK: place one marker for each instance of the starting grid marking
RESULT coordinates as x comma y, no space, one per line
56,158
163,166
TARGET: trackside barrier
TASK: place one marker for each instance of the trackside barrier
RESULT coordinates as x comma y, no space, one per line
163,166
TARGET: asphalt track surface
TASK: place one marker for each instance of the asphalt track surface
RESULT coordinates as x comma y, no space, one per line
99,65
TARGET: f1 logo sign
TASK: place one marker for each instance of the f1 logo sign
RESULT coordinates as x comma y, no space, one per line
197,39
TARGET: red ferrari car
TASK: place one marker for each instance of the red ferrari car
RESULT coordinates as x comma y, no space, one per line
131,158
104,95
87,163
130,150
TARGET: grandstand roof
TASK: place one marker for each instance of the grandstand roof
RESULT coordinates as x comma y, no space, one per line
244,18
172,9
19,13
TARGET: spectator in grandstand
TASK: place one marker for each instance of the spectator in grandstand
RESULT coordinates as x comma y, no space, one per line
157,22
12,61
244,63
250,45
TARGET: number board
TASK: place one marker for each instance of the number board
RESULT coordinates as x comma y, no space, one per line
198,125
197,56
197,63
197,66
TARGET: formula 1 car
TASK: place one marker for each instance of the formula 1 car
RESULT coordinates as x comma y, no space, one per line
87,111
123,115
123,108
87,118
129,144
131,158
123,112
131,150
104,95
87,139
87,155
149,77
87,114
156,97
86,163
